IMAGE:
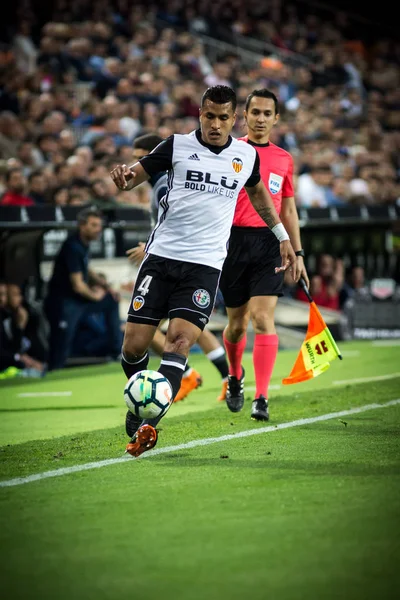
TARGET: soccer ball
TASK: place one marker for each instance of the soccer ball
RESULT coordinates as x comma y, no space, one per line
148,394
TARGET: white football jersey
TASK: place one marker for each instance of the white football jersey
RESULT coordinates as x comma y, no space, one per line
196,213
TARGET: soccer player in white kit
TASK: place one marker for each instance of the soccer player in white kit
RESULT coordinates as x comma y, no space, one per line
180,273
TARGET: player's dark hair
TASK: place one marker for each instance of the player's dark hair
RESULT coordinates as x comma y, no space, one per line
262,93
220,94
148,141
90,211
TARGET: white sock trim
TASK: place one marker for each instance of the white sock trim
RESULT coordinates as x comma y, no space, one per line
217,353
171,363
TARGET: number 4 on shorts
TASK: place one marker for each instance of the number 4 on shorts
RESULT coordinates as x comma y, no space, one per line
144,286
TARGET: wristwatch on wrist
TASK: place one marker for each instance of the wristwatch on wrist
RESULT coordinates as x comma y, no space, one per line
300,253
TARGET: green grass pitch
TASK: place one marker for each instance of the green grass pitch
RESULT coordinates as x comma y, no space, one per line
304,512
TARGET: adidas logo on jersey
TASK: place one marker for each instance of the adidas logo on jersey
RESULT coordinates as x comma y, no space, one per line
193,157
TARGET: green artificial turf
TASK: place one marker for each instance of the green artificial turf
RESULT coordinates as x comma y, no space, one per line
305,512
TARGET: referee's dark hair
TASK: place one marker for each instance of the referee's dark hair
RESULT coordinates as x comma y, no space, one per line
220,94
262,93
89,211
148,141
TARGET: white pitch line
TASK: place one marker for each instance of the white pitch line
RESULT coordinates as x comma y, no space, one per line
194,444
43,394
366,379
382,343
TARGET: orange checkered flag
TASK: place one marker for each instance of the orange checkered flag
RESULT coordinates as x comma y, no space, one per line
318,349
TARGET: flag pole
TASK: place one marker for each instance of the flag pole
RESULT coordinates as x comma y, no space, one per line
305,289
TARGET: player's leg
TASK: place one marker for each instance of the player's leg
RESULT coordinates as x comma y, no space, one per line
181,335
135,358
265,350
137,339
158,342
191,299
215,352
235,344
191,378
147,308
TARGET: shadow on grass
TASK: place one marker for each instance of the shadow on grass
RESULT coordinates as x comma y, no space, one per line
40,409
65,375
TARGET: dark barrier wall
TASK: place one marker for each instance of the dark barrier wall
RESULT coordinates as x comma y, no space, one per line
361,235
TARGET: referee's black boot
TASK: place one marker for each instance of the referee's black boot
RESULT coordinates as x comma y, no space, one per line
132,424
235,393
259,409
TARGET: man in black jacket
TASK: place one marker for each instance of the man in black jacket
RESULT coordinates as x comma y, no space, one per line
70,296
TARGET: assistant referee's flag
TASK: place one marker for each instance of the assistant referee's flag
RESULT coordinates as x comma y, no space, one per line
318,349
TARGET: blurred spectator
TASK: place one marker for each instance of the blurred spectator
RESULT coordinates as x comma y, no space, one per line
100,196
71,298
37,187
326,283
311,187
60,196
15,192
80,187
30,157
355,280
23,342
339,193
11,134
30,324
108,77
76,200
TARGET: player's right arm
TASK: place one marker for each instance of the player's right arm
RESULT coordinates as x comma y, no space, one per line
126,178
136,254
159,159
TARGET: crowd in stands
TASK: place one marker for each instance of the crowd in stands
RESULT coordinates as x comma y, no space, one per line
331,285
81,81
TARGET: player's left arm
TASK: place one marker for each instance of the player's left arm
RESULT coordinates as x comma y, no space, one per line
263,204
290,220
